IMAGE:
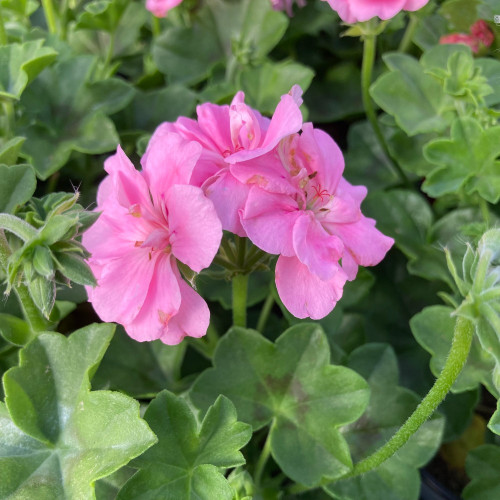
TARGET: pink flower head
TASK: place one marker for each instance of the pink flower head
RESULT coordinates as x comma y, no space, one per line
352,11
314,226
462,38
160,8
230,135
481,32
287,5
149,219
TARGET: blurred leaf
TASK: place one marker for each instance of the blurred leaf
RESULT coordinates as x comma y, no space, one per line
460,14
292,386
265,84
56,437
65,111
9,151
185,462
17,185
483,467
140,369
389,407
15,330
102,15
433,329
20,64
429,30
490,68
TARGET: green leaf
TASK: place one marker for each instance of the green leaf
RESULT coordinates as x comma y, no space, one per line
264,85
20,64
140,369
185,461
292,386
408,152
102,15
64,112
43,293
42,262
459,13
187,55
9,151
415,99
75,269
17,185
15,330
490,68
494,423
483,467
390,405
468,158
57,437
433,328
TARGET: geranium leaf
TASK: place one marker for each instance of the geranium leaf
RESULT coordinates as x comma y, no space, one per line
57,438
21,63
292,386
388,409
65,112
185,461
433,329
17,185
483,467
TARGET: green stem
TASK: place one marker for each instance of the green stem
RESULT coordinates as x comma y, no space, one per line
241,248
50,15
369,47
8,110
31,313
240,286
155,24
228,249
3,33
409,32
64,20
460,347
483,205
18,227
109,53
264,313
263,458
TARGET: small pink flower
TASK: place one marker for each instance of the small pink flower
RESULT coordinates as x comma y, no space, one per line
462,38
230,135
160,8
481,32
149,219
313,225
287,5
352,11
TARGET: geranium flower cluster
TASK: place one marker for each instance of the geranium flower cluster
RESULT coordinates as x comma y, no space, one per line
479,34
236,170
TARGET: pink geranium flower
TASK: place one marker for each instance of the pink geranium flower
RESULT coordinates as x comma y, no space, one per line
313,226
149,219
352,11
231,135
160,8
287,5
480,33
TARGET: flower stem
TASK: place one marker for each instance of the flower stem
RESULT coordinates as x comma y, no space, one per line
50,15
369,46
483,205
17,226
264,314
460,347
3,33
263,458
240,287
408,34
156,27
31,313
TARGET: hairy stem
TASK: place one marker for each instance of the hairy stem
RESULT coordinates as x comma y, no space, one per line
460,347
369,48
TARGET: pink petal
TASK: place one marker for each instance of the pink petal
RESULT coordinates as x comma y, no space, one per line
195,229
228,196
161,304
286,120
322,156
123,286
268,219
215,124
366,244
191,320
170,160
303,293
315,248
